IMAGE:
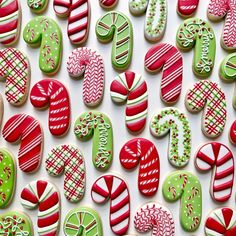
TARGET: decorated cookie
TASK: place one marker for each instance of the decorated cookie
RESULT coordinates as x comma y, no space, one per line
52,93
45,32
78,13
156,17
232,134
87,63
185,186
187,8
209,96
227,72
44,195
69,159
97,124
15,223
167,58
83,221
15,69
10,18
37,6
218,157
142,152
7,177
107,4
27,130
1,110
114,188
221,221
155,217
173,121
131,87
117,26
198,33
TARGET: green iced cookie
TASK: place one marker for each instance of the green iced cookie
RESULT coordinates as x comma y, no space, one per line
37,6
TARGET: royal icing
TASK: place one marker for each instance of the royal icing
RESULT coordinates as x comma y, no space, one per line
7,177
168,58
15,69
185,186
186,8
87,63
108,3
83,221
28,130
46,32
10,18
78,12
37,6
131,87
44,195
232,134
52,93
208,95
114,188
155,217
173,121
156,16
69,159
117,26
198,33
1,110
142,152
97,124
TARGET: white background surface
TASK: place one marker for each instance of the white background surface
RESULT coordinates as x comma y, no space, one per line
117,115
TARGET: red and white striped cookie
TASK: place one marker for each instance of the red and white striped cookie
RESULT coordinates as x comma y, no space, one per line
115,188
131,87
43,194
217,156
52,93
168,58
221,222
232,134
28,130
10,21
78,20
107,4
142,151
187,8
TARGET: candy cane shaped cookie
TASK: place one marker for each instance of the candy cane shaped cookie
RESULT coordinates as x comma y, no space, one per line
15,69
143,151
187,8
153,216
68,158
43,194
97,124
218,157
87,63
45,32
107,4
52,93
198,33
156,17
131,87
114,188
117,26
173,121
37,6
78,13
232,133
28,130
208,95
221,221
10,18
166,57
185,186
7,177
83,221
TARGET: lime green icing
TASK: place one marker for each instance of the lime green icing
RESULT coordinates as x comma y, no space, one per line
37,6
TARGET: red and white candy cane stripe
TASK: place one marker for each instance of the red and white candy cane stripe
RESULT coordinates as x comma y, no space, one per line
115,188
133,88
187,7
53,93
217,156
79,18
232,134
168,58
108,3
44,195
28,130
143,151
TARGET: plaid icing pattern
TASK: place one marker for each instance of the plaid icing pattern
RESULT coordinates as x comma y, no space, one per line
69,158
14,67
209,95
